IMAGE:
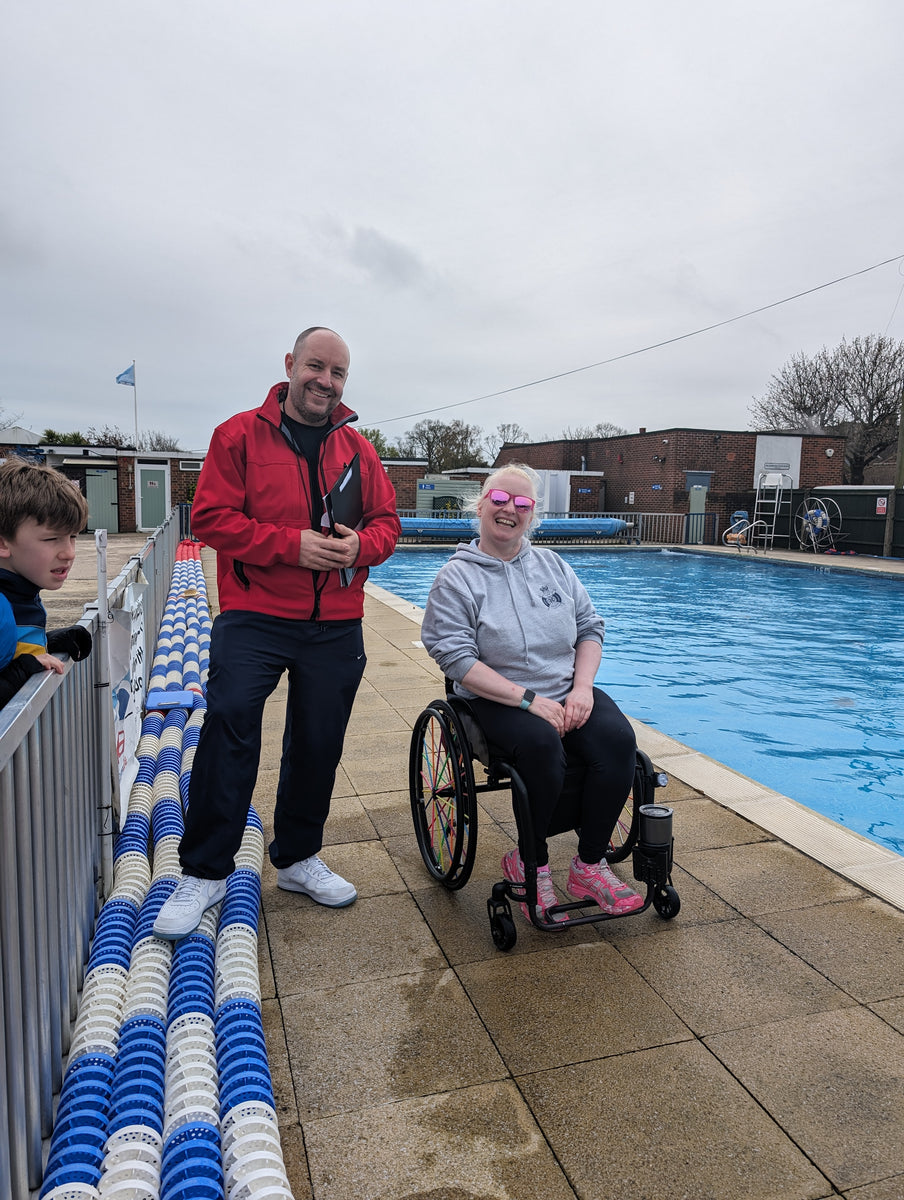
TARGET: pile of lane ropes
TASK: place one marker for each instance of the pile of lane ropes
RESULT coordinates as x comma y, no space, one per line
167,1093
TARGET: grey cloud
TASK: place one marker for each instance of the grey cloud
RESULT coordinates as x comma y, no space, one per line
387,262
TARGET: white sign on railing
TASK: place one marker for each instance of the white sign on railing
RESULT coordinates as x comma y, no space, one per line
128,677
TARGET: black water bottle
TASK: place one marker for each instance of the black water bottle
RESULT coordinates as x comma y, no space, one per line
655,826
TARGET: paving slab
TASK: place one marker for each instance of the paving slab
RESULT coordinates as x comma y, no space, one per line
296,1162
701,824
728,974
606,1009
834,1081
375,938
766,877
666,1122
373,713
389,813
858,944
477,1143
891,1011
887,1189
460,924
364,1044
348,822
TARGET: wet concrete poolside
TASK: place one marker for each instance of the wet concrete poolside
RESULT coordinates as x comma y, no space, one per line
753,1047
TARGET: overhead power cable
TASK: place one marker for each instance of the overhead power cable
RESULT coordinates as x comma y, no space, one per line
681,337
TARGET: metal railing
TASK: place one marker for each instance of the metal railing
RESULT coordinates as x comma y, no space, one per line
56,833
664,529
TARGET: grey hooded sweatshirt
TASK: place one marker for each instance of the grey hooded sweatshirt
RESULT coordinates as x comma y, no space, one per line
524,618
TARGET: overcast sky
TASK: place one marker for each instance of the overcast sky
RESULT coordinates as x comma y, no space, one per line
476,194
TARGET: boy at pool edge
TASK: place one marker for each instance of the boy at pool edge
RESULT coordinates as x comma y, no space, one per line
41,514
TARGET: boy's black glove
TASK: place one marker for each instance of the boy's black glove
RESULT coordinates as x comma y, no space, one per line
74,641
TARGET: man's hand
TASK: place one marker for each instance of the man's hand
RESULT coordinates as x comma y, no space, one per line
321,552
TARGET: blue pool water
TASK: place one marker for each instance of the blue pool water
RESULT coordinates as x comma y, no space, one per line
793,676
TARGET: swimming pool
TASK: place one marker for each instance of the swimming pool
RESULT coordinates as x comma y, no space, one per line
793,676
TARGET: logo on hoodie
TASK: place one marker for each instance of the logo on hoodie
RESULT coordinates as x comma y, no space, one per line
548,596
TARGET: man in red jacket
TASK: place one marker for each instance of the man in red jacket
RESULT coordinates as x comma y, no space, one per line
285,605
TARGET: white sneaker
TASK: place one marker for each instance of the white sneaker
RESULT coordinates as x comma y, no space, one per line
314,878
182,912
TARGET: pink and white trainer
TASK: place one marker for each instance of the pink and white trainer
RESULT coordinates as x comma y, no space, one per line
513,870
598,882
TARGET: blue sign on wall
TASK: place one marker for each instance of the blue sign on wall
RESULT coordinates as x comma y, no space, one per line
426,487
657,487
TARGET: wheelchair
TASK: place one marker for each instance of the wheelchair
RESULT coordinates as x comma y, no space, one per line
445,741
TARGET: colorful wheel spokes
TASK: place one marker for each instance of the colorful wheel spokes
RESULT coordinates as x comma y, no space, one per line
439,793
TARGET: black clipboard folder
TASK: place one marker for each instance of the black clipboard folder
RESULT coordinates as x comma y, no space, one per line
344,505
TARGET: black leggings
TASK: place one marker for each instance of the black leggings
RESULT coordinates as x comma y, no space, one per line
605,745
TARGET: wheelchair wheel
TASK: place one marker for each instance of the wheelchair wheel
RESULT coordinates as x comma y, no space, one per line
666,902
503,930
443,797
624,835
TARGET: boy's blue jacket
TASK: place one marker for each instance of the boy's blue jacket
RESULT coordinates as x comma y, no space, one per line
22,600
23,634
7,632
29,614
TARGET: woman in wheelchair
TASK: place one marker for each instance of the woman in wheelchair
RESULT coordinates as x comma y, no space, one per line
514,629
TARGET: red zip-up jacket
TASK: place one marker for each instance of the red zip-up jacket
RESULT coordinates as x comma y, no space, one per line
254,498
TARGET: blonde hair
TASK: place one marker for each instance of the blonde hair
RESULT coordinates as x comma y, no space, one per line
533,488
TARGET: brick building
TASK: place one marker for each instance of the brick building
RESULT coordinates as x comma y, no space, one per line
108,477
654,471
404,475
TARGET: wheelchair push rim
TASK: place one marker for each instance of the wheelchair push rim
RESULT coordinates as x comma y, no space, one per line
443,799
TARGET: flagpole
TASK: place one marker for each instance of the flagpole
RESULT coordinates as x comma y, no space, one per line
135,398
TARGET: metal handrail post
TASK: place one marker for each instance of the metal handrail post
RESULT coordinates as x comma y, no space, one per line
108,792
18,1126
27,981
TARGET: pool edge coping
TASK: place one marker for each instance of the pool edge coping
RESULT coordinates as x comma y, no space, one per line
841,850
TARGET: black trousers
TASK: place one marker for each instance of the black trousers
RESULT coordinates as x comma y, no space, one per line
606,747
248,654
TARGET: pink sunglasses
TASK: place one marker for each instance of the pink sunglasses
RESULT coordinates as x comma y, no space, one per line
498,497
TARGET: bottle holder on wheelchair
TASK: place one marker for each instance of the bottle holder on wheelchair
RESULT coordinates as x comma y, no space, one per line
443,793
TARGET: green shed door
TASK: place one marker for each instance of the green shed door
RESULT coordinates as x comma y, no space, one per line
100,492
152,496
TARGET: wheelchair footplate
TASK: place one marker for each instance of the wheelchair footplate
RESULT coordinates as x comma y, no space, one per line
652,865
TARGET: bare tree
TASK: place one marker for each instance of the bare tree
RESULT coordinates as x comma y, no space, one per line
585,433
853,391
109,435
156,440
8,419
444,444
504,434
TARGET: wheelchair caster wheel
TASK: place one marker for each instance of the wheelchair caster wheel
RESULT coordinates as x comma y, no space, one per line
666,902
503,929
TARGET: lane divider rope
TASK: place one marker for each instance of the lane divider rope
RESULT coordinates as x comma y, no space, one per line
167,1093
